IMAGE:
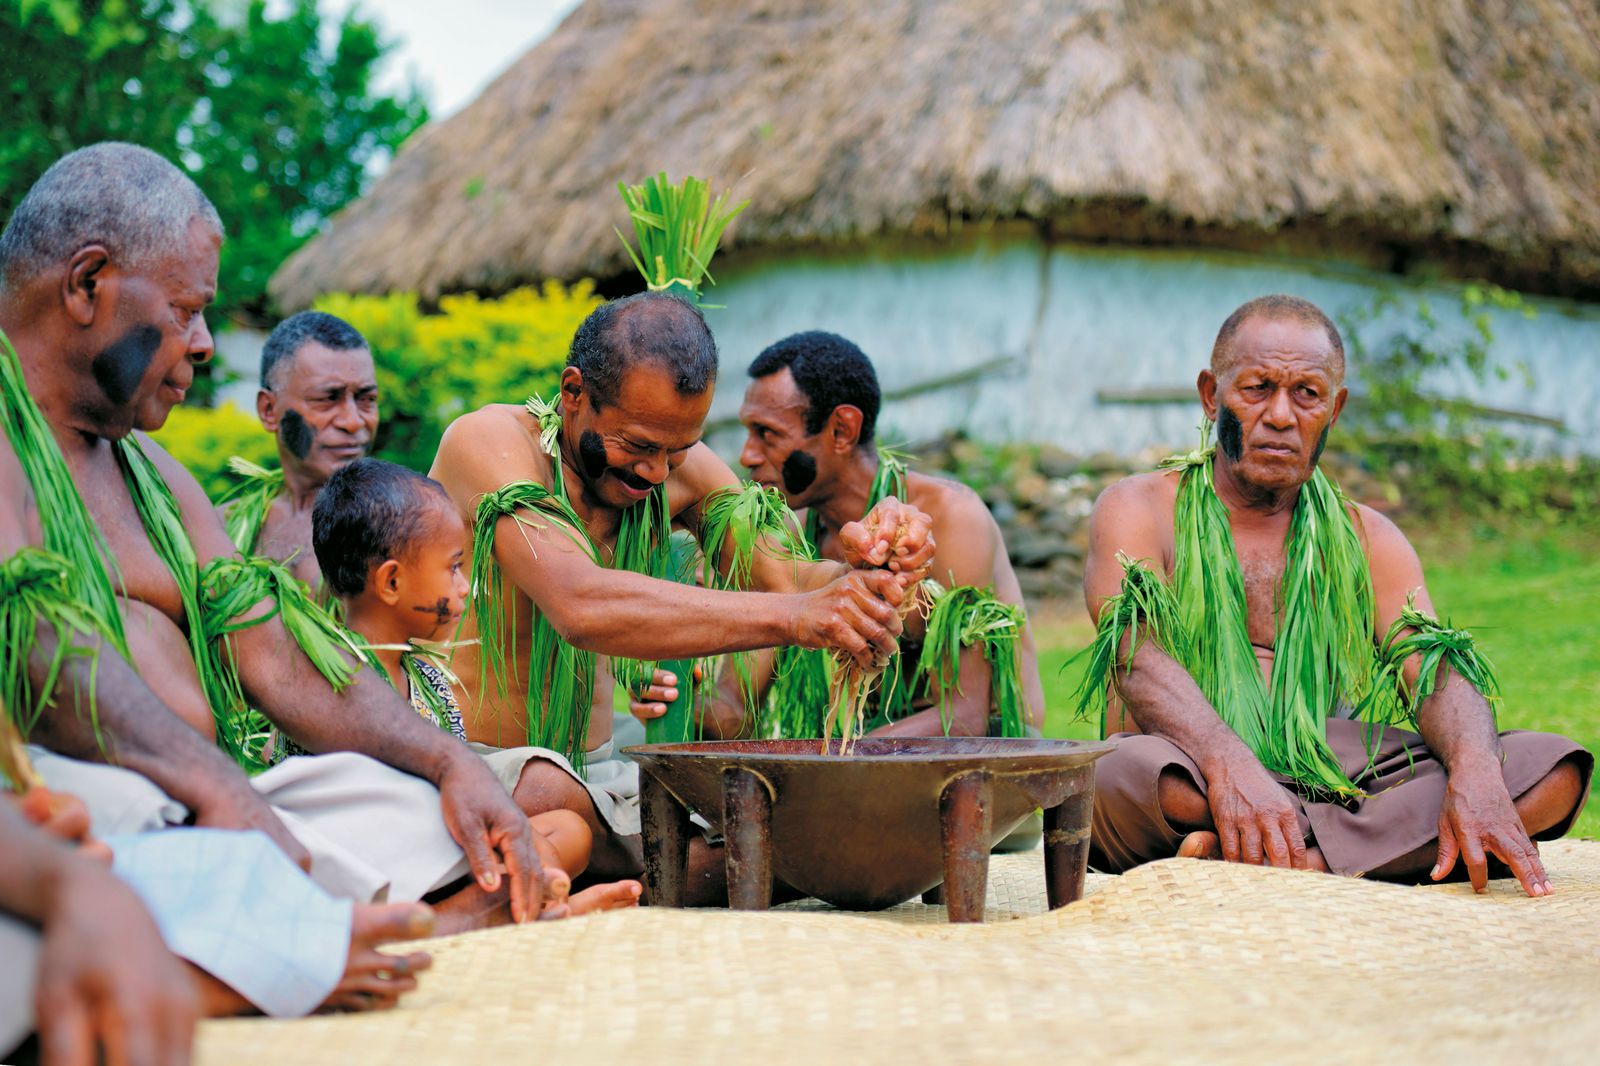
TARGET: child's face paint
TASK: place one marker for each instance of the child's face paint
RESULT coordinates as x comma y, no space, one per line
799,471
433,588
120,369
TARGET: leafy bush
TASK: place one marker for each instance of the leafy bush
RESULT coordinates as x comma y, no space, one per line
1448,453
434,367
205,438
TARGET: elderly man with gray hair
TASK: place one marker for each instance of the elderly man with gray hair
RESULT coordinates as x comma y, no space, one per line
148,636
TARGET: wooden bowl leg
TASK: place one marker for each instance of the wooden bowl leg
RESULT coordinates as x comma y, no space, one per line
1066,841
966,821
665,827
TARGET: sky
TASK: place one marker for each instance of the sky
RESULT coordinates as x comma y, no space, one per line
453,48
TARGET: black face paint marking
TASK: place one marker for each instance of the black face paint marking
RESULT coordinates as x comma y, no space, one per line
799,471
440,610
592,454
120,368
1322,442
1230,433
297,435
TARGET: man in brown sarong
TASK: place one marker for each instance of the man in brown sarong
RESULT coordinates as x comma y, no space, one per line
1181,782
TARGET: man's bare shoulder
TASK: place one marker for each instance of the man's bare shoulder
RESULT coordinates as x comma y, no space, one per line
1148,498
192,499
1382,539
945,498
487,448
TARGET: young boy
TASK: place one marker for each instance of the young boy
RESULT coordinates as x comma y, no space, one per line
390,543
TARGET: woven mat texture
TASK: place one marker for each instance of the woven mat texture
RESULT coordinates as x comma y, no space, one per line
1179,961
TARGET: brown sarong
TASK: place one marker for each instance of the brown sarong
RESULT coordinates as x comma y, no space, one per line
1399,814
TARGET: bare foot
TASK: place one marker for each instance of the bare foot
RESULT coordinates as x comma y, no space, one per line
372,980
608,897
1200,845
375,980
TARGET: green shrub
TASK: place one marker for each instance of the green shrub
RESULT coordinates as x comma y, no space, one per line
1446,453
434,367
205,438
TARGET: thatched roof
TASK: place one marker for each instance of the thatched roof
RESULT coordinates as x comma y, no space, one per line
1464,131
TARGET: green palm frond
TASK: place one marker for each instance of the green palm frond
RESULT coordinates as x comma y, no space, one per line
67,528
248,501
958,619
677,227
37,590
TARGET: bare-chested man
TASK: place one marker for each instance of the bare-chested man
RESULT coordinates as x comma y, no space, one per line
632,402
810,413
108,264
319,399
1181,780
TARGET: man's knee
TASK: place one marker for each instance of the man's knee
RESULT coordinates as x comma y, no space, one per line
1553,800
1182,802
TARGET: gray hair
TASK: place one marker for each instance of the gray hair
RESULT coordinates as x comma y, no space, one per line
120,195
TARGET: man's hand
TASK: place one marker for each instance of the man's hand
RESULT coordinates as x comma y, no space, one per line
893,535
858,614
242,808
495,835
662,690
1254,816
106,980
1478,816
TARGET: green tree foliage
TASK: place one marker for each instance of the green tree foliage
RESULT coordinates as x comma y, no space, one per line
275,117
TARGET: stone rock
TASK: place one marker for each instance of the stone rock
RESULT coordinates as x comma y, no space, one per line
1055,462
1005,512
1030,489
1036,547
1105,463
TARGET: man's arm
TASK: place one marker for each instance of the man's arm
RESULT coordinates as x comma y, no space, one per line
968,543
631,616
368,717
1252,814
1457,723
128,725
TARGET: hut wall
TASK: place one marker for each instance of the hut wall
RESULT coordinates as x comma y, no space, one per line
1057,325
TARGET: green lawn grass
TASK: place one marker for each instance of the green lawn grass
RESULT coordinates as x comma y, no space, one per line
1531,597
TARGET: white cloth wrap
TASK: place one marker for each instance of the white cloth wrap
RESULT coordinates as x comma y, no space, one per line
235,906
374,833
611,780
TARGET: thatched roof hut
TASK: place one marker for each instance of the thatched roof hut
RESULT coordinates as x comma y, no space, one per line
1461,133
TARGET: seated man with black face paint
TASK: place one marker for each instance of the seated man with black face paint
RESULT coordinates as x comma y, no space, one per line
319,398
1262,639
139,636
810,413
571,501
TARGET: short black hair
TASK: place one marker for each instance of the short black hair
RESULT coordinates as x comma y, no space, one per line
369,512
295,332
1276,307
650,327
829,371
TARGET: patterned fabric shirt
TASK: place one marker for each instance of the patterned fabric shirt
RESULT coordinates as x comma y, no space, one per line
444,692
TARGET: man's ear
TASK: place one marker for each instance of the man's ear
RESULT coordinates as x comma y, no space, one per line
1339,399
267,410
571,391
85,284
844,428
1207,384
385,582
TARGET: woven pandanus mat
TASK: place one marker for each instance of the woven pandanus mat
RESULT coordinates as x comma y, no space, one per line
1178,961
